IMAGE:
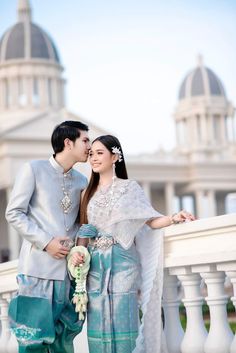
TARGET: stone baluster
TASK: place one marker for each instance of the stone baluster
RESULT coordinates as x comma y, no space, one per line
173,329
5,331
232,276
196,333
12,346
220,335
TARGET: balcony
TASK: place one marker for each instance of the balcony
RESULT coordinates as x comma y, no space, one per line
199,267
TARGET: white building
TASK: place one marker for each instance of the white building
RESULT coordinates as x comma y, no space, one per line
199,174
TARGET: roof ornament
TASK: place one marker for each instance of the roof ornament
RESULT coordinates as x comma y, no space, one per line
200,60
24,11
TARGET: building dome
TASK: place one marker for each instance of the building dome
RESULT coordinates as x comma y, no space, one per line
201,81
30,69
26,40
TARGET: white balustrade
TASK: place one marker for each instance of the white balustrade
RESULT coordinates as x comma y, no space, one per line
203,250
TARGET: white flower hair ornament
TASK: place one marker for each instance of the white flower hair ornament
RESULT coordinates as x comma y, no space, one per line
116,150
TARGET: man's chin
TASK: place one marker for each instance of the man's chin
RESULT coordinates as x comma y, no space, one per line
83,160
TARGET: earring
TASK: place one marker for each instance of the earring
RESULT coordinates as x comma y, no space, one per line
113,171
113,179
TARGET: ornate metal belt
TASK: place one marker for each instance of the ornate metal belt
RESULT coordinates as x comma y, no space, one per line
102,242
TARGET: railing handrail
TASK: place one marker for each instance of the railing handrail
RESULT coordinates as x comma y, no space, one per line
208,240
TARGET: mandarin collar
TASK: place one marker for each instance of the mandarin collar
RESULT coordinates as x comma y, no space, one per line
57,166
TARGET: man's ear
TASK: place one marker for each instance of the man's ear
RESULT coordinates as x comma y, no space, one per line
68,143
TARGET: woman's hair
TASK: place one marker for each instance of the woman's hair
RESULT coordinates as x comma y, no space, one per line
109,142
68,129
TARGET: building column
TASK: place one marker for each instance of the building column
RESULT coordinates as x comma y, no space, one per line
199,201
54,93
14,92
211,203
233,128
210,130
203,124
1,94
43,92
13,236
195,135
169,197
29,91
220,203
177,133
222,129
62,93
147,189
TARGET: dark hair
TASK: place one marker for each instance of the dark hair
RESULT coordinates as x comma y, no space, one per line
108,141
68,129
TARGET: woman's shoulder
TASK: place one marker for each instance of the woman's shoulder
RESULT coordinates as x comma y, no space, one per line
128,183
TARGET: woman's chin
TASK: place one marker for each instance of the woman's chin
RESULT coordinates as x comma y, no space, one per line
96,170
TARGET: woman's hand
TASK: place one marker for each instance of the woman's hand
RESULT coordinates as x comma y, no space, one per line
77,259
182,216
165,221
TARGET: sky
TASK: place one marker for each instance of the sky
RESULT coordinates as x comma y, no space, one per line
125,60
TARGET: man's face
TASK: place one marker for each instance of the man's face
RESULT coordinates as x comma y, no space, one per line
81,147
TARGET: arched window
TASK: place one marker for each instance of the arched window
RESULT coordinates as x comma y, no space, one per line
199,131
230,128
36,98
230,203
216,127
22,97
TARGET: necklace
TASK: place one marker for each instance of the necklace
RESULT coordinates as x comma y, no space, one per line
108,197
66,202
104,195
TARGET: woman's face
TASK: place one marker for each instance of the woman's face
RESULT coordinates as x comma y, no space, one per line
100,158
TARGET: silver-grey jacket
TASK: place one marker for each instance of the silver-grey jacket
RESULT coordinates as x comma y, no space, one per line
35,211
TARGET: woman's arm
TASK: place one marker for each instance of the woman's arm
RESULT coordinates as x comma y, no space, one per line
78,258
165,221
82,241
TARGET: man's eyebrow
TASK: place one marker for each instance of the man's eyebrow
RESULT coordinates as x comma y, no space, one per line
86,139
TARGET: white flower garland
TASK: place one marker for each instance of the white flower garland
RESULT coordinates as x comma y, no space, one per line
80,298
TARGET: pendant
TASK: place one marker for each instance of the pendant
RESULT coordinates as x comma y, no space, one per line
66,203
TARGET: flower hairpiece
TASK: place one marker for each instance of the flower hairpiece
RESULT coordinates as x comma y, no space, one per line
116,150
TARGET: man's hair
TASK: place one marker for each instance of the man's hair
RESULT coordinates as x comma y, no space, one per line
68,129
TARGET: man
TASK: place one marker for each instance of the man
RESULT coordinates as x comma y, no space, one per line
43,208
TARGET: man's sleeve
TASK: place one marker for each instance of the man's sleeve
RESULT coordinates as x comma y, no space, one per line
18,207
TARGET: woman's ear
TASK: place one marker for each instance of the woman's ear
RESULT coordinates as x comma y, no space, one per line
115,158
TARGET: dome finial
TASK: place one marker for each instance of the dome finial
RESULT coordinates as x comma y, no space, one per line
200,60
24,10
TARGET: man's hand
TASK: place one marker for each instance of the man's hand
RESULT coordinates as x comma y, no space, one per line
56,249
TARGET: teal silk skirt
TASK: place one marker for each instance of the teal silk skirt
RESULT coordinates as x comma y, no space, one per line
113,315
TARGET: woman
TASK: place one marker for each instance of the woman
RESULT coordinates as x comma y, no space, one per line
126,257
